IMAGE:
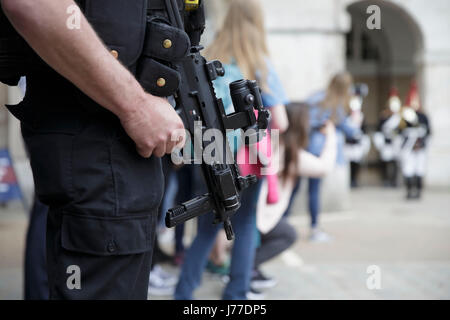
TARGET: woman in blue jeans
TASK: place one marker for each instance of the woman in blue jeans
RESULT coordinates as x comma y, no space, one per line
328,105
241,46
243,253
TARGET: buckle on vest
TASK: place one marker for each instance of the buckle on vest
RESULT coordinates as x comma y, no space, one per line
191,4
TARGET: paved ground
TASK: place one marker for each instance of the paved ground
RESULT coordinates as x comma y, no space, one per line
408,241
13,223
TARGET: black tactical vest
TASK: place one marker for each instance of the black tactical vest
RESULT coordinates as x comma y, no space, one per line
121,24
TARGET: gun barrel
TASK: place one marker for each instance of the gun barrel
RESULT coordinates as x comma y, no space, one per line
188,210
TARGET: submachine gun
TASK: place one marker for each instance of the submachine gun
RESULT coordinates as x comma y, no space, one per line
187,76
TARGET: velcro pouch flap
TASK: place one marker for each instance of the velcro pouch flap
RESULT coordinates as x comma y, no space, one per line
165,42
106,236
157,78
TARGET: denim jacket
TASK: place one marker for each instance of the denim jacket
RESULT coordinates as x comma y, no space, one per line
318,116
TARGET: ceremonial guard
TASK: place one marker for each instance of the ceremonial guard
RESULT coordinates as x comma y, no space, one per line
415,131
387,140
357,148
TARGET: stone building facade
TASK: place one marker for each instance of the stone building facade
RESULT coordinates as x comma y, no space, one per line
310,40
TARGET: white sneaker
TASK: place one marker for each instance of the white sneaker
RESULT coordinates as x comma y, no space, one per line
167,277
166,236
319,236
255,295
161,283
225,279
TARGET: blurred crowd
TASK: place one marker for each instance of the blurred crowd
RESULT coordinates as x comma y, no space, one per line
323,133
317,135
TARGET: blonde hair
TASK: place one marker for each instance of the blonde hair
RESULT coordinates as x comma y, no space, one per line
338,93
242,39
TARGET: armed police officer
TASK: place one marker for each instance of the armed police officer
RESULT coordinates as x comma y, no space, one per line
95,138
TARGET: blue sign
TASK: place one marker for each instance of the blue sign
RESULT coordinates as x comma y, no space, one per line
9,186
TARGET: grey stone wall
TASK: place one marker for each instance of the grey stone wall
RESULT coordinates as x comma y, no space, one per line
307,45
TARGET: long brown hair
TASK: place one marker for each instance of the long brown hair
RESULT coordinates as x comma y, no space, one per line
242,39
295,138
338,93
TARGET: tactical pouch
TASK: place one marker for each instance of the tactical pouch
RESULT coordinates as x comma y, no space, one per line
163,46
157,78
165,42
120,24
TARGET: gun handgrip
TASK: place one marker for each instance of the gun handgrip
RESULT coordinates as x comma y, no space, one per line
188,210
228,229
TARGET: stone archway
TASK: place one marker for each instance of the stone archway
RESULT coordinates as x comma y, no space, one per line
391,56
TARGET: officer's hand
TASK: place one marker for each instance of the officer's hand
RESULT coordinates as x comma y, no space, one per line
154,126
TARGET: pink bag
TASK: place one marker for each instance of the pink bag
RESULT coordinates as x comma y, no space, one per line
255,166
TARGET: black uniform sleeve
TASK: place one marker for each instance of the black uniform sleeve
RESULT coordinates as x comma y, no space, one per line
423,120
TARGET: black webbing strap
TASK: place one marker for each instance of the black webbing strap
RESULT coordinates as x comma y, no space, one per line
161,5
152,4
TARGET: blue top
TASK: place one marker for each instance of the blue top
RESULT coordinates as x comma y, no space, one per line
275,96
318,116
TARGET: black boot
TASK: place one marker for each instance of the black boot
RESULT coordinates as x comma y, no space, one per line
419,187
409,188
394,173
385,172
354,168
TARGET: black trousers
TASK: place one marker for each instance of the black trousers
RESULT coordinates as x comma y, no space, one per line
354,173
36,279
276,241
390,172
103,200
